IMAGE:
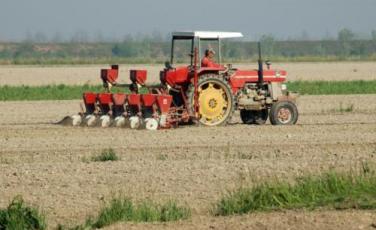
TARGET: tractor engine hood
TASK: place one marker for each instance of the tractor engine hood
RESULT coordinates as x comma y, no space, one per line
240,77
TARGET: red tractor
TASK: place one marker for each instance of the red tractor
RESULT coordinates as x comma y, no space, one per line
192,93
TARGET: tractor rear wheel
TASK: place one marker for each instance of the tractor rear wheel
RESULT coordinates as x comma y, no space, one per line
250,117
216,101
283,113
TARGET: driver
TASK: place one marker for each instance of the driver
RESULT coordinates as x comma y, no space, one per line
208,60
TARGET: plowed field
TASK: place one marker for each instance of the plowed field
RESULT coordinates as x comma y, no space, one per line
193,165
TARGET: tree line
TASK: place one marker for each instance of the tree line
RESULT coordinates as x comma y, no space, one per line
345,46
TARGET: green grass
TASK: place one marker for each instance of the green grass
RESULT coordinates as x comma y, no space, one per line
121,209
50,92
19,216
333,190
106,155
68,92
333,87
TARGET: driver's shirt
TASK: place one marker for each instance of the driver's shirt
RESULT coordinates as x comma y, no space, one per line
206,62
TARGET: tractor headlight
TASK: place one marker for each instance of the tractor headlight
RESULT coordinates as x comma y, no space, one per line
284,87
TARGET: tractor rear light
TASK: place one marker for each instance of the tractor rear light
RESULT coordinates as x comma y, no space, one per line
105,98
119,99
138,76
148,99
90,98
134,99
164,103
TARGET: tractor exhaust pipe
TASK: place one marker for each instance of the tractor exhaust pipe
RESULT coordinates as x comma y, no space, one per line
260,67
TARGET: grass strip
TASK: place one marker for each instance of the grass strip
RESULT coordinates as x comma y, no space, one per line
48,92
121,209
333,87
333,190
70,92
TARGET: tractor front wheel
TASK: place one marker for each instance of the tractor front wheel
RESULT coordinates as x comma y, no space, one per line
283,113
215,98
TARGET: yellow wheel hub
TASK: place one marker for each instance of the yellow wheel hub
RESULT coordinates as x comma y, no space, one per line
213,103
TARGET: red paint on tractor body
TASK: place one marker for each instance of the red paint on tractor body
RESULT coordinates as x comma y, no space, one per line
211,69
237,80
241,77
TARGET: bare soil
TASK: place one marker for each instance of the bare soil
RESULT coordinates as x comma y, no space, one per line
73,75
48,164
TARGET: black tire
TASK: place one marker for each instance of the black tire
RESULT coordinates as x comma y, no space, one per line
289,108
216,79
251,117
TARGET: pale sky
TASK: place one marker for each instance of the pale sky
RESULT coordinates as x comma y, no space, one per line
116,18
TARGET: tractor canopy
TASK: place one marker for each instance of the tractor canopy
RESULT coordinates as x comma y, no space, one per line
184,43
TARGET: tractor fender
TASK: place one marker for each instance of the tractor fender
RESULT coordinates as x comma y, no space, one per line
210,70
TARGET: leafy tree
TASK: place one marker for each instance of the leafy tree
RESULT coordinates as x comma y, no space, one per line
25,50
268,44
304,36
127,49
57,38
373,34
345,37
116,50
40,37
80,36
320,50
